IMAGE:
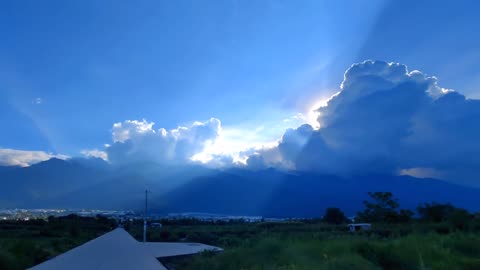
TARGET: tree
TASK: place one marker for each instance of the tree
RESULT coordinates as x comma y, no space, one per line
334,215
460,218
405,215
383,208
435,212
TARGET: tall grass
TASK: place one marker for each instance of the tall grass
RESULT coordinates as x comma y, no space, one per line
286,245
415,251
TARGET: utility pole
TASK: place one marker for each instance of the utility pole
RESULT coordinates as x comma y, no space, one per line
145,217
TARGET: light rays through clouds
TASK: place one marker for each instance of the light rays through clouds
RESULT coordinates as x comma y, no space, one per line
386,119
205,142
383,119
342,123
247,61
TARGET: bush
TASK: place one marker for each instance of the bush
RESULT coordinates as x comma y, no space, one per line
74,230
202,237
334,215
388,256
435,212
383,208
460,219
7,260
466,245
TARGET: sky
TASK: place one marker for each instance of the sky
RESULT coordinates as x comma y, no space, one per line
208,79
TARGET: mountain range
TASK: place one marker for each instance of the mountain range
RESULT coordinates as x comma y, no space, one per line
95,184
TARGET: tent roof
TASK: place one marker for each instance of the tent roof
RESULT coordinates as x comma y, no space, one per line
167,249
119,250
114,250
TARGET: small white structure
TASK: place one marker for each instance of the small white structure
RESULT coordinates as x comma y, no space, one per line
357,227
156,225
120,251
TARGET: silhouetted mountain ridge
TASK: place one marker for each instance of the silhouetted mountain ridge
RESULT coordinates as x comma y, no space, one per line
307,195
94,183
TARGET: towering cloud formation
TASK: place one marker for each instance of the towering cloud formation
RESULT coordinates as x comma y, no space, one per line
287,151
389,120
384,119
138,141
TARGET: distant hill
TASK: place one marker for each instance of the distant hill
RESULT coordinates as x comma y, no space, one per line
274,194
93,183
32,186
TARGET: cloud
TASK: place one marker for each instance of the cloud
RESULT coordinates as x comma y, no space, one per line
387,119
214,160
237,143
138,141
383,119
12,157
95,153
284,153
423,173
37,101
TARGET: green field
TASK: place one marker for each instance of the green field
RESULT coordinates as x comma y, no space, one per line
27,243
296,245
440,236
286,245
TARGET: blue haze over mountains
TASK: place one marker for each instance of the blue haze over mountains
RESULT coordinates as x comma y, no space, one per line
84,183
272,108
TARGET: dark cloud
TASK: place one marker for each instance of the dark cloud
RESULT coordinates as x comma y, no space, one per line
285,154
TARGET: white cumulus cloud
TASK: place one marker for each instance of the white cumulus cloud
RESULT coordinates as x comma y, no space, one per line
387,119
12,157
95,153
136,140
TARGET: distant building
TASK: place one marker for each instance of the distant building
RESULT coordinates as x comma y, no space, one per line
356,227
156,225
212,217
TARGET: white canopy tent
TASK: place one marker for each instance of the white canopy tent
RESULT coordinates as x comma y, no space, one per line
119,250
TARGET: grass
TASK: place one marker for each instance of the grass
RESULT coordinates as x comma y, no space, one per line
432,251
321,246
289,245
27,243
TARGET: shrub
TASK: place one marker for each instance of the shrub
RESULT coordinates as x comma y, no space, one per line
383,207
460,219
7,260
334,215
387,256
435,212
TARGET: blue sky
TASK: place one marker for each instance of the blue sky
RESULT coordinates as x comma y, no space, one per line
69,70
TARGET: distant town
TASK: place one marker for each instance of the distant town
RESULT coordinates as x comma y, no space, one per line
28,214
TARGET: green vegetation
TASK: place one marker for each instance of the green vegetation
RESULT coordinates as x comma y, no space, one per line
334,215
305,245
384,208
441,236
324,251
27,243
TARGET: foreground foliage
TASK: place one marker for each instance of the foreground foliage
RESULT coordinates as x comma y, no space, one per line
433,251
308,244
320,246
27,243
442,237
